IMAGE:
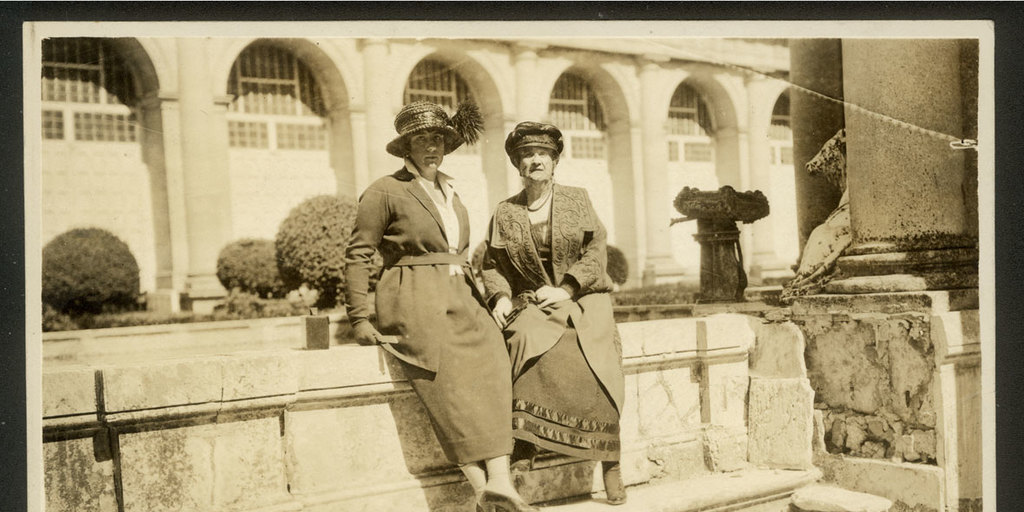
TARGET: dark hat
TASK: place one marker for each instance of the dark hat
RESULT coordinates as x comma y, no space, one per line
531,134
464,126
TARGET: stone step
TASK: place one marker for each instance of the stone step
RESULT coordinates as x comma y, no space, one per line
827,498
746,490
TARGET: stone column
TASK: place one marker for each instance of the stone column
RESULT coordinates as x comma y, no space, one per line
911,220
360,150
162,152
531,101
657,203
816,64
204,163
760,105
379,117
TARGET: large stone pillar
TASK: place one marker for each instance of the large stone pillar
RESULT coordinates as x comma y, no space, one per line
764,260
161,142
379,118
204,162
911,219
816,64
531,101
654,151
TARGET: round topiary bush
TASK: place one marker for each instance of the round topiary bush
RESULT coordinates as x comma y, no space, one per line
250,264
618,267
89,270
311,244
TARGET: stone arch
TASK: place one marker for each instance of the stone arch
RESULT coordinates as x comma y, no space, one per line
610,88
723,108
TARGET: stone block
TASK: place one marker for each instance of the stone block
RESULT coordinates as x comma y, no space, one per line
818,443
328,448
912,485
778,352
653,337
728,330
344,366
181,382
725,449
257,376
668,402
69,392
822,498
234,466
75,479
727,392
781,425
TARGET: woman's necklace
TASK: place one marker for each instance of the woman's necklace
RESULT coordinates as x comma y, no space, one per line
543,203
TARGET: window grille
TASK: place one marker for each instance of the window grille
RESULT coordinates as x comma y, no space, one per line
698,152
244,134
268,79
688,113
574,106
780,128
86,80
94,126
301,136
53,124
587,147
277,104
434,81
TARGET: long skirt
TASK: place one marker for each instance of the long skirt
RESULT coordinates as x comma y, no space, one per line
469,398
559,404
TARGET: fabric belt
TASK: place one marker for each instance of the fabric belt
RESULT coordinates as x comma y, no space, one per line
432,258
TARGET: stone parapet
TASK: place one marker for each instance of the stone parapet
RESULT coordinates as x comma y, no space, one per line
340,429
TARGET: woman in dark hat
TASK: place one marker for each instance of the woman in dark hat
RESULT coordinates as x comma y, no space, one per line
544,272
429,313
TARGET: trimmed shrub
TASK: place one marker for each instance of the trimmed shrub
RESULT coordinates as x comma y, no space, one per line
89,270
250,265
618,267
310,246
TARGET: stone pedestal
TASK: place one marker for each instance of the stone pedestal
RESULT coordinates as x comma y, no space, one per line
721,274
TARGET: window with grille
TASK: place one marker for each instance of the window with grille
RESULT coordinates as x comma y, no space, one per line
575,109
688,113
84,80
278,103
673,151
780,129
434,81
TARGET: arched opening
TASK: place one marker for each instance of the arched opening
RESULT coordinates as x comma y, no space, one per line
575,108
435,80
782,193
280,137
690,134
94,171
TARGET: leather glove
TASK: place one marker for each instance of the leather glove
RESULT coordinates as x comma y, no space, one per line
367,334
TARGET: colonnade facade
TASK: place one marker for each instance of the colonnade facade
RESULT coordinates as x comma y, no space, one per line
181,145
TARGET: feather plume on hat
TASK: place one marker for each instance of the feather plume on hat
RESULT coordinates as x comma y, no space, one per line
468,122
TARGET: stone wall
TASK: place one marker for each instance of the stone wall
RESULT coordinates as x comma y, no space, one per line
340,429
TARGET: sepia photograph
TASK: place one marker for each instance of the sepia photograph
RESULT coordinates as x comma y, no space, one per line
460,266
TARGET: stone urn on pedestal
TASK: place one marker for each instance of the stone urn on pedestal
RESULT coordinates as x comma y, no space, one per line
722,278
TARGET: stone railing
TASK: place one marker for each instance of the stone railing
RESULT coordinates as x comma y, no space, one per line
340,429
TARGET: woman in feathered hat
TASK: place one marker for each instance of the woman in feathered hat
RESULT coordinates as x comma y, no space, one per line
544,271
430,314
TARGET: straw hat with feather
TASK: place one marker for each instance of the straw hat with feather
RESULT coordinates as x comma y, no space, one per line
464,126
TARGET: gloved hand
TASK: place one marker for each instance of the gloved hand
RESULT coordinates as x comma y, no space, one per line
366,334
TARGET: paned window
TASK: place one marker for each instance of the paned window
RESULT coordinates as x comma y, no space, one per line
85,80
688,113
780,129
575,109
278,103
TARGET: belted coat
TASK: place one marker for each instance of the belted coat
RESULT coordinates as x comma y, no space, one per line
397,217
512,265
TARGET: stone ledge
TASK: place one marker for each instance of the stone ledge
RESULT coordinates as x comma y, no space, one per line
724,491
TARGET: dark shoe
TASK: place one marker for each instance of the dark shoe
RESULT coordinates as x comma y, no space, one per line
523,455
613,488
494,502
